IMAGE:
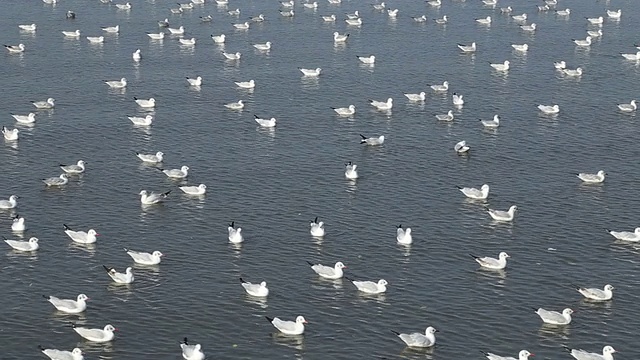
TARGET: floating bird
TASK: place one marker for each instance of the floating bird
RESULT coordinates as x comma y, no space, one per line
117,84
219,39
96,335
10,134
55,354
345,111
372,141
81,237
267,123
191,352
445,117
145,103
403,236
573,72
310,72
493,263
475,194
614,14
440,88
50,103
206,18
353,15
500,215
187,42
289,327
529,28
176,31
369,60
501,67
595,34
626,235
468,48
152,198
420,19
565,12
246,84
144,258
461,147
522,355
195,81
29,27
69,306
232,56
287,13
339,38
163,23
328,272
442,21
73,34
592,178
506,10
257,290
263,47
393,13
12,203
126,6
520,47
549,109
560,65
597,294
484,21
242,26
595,21
634,57
156,36
317,228
419,340
416,97
56,181
95,39
136,55
194,190
258,18
351,171
151,158
354,22
20,245
371,287
329,18
235,233
118,277
71,14
554,317
17,225
141,121
583,43
77,168
111,29
491,124
579,354
457,100
522,17
382,105
238,105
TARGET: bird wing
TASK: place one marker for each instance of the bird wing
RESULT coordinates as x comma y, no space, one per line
323,270
551,316
283,324
63,303
58,354
366,286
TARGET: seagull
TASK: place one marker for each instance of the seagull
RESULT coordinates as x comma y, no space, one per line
416,97
163,23
329,18
339,38
181,173
257,290
380,6
393,13
156,36
73,34
238,105
144,103
596,21
597,294
267,123
351,171
354,22
194,190
187,42
18,224
475,194
313,5
117,84
176,31
232,56
50,103
560,65
573,72
467,48
310,72
195,81
506,10
583,43
242,26
419,340
263,47
95,39
522,17
29,27
499,215
445,117
354,15
372,141
544,7
369,60
520,47
10,135
96,335
501,67
288,13
126,6
258,18
490,2
565,12
596,178
191,352
442,21
594,34
549,109
120,278
12,203
147,198
614,14
522,355
71,14
55,354
136,55
81,236
144,258
382,105
440,88
491,124
461,147
246,84
554,317
579,354
371,287
235,12
56,181
19,245
493,263
177,10
628,107
634,57
529,28
317,228
403,236
345,111
434,3
218,39
77,168
328,272
186,6
15,49
151,158
207,18
69,306
235,233
420,19
289,327
484,21
141,121
111,29
626,235
457,100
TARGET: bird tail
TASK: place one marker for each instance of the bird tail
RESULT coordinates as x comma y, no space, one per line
315,220
45,296
166,193
125,249
395,332
66,227
232,224
185,340
269,319
242,281
473,256
108,269
535,309
348,278
72,324
310,263
41,348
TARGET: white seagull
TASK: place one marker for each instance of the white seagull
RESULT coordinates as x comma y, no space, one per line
118,277
475,194
554,317
231,56
457,100
238,105
96,335
522,355
345,111
263,47
141,121
579,354
191,352
468,48
151,158
12,203
77,168
267,123
176,31
187,42
71,34
614,14
500,215
371,287
440,88
369,60
218,39
501,67
592,178
520,47
329,18
111,29
584,43
351,171
95,39
147,198
156,36
492,263
242,26
484,21
235,233
626,235
565,12
15,49
339,38
560,65
136,55
595,21
144,258
126,6
372,141
55,354
419,340
246,84
50,103
549,109
27,27
573,72
317,228
181,173
20,245
57,180
289,327
382,105
597,294
416,97
461,147
328,272
81,237
403,235
197,81
310,72
634,57
18,224
145,103
529,28
521,17
257,290
194,190
491,124
69,306
445,117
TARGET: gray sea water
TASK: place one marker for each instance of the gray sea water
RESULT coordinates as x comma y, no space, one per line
273,183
